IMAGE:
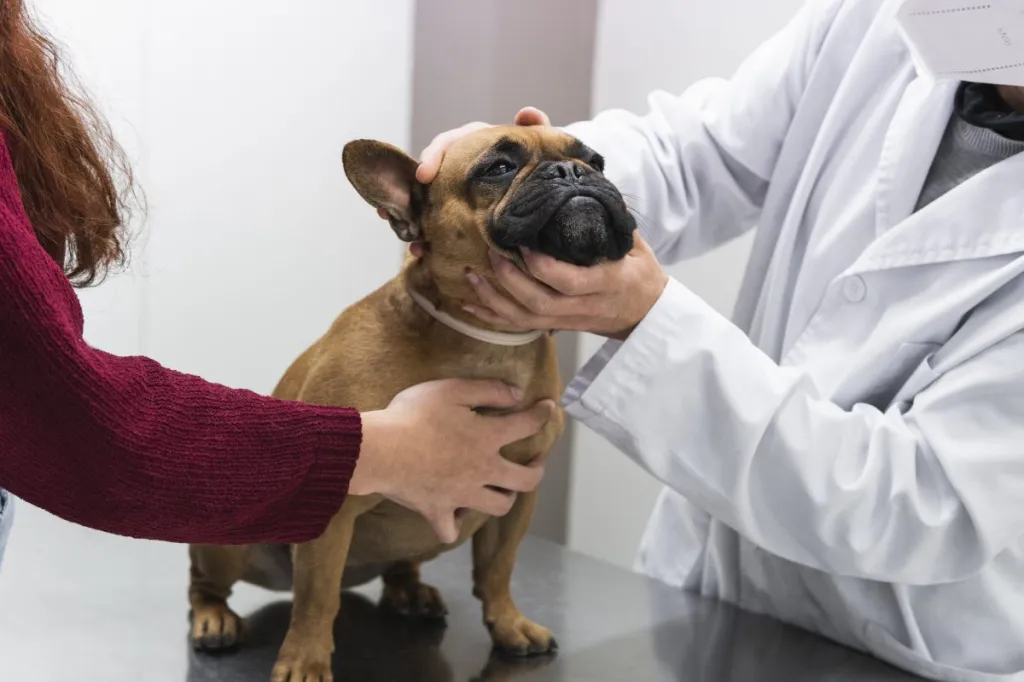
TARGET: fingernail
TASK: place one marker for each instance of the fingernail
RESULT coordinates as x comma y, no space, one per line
469,309
526,250
474,278
517,393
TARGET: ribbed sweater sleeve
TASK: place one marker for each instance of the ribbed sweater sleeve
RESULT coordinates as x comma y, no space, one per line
124,445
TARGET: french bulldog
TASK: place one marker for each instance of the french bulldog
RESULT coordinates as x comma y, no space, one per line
501,188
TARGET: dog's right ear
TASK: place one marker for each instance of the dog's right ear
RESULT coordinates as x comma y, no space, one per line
386,177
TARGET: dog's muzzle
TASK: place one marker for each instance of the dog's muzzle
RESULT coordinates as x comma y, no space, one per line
569,212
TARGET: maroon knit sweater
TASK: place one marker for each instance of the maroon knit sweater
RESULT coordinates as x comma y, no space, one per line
129,447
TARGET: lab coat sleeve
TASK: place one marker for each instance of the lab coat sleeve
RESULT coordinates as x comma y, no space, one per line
695,168
923,495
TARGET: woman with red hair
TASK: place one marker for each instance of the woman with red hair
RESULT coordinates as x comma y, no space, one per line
129,447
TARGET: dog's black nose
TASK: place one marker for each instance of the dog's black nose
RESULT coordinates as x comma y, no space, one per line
562,170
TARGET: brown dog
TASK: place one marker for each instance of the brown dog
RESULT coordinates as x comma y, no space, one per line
501,188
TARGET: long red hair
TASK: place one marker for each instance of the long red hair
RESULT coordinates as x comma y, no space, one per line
76,182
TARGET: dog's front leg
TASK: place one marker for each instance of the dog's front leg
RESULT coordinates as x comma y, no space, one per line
305,655
494,556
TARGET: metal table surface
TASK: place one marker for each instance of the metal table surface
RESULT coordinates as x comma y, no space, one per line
611,625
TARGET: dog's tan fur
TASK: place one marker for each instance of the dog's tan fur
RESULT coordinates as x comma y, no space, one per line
375,349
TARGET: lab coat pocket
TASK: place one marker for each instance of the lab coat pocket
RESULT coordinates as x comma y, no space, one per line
887,648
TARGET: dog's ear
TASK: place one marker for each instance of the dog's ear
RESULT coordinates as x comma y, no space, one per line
386,177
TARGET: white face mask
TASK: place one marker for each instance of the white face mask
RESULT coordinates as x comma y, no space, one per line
980,41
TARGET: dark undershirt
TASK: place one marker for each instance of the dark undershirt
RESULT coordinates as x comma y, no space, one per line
982,132
981,105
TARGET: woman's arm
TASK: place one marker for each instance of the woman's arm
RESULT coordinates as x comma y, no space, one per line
127,446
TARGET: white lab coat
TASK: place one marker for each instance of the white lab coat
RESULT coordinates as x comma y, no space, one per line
848,454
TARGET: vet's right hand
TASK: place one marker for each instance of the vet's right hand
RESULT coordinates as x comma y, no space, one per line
431,157
429,451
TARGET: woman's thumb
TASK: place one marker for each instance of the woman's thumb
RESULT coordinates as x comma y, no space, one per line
445,526
484,393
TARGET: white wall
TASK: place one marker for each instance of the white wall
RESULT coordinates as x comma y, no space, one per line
253,240
236,112
105,41
258,241
644,46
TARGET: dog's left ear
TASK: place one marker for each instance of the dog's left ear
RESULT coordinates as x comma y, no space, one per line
386,177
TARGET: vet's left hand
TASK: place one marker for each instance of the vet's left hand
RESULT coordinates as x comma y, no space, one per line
609,299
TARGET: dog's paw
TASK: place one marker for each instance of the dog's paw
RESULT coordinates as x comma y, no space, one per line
305,667
215,627
414,599
518,636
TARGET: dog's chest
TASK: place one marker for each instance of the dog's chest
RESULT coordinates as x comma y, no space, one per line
499,364
389,533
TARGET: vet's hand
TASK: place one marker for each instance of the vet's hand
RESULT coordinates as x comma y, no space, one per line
431,157
609,299
429,451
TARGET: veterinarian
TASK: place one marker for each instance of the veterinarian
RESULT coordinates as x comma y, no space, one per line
847,454
129,447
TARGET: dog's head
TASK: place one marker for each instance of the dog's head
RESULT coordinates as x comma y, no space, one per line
503,187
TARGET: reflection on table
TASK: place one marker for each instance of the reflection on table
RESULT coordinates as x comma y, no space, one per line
611,626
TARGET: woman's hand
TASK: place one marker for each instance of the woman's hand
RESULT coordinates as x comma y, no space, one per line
429,451
609,299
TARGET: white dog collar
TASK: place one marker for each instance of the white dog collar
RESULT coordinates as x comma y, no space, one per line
466,329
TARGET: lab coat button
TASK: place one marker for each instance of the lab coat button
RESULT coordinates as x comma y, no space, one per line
855,289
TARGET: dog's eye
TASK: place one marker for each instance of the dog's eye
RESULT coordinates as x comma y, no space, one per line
498,169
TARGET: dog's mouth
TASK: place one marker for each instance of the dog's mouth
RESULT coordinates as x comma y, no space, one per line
583,223
580,232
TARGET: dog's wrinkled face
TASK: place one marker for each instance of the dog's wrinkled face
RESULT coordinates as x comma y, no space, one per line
504,187
545,190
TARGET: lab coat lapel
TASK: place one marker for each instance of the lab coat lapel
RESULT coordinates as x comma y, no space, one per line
910,144
981,217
